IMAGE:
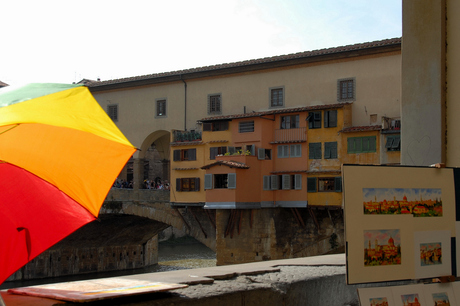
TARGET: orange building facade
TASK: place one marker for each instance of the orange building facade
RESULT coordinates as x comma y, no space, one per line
287,157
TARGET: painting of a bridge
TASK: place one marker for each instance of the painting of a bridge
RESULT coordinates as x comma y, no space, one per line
420,202
430,254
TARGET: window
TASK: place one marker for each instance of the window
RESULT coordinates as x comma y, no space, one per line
328,184
290,122
264,154
284,182
161,108
285,151
295,150
311,184
246,127
213,152
393,143
188,184
361,144
330,150
330,118
185,154
220,181
314,120
314,150
346,90
214,104
277,97
112,111
215,126
324,184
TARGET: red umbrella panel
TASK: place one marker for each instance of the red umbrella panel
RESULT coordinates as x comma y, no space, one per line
59,156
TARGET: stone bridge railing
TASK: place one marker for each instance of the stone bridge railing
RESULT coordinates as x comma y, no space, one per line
140,195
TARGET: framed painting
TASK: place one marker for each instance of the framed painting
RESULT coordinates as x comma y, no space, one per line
377,296
384,206
439,294
410,295
432,254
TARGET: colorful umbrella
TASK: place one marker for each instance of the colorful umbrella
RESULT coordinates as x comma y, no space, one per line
59,156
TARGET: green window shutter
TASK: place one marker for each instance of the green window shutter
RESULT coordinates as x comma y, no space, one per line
358,145
389,143
311,151
266,182
326,119
208,181
197,184
350,145
318,153
327,150
274,182
178,184
311,184
231,181
372,144
333,118
298,181
338,183
334,150
213,153
176,155
396,142
191,154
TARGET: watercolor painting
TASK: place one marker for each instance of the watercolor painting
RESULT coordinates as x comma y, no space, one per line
410,300
420,202
431,254
441,299
382,301
382,247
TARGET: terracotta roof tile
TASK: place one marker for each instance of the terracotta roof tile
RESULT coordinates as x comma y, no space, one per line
278,58
323,171
181,169
229,163
218,141
289,171
362,128
276,111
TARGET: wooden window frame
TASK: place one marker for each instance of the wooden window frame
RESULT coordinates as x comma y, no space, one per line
246,126
314,120
215,104
188,184
330,118
276,97
346,90
184,155
160,105
393,143
314,150
330,150
112,112
364,144
290,122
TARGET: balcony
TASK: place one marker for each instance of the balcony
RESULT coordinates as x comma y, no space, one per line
290,135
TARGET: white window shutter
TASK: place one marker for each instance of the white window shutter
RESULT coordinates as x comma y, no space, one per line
208,181
260,153
231,181
266,182
273,182
298,181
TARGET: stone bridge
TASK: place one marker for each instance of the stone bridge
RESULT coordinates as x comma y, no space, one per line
126,235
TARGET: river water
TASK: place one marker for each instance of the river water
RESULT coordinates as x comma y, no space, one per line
172,255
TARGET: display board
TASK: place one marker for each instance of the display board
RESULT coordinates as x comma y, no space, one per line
400,222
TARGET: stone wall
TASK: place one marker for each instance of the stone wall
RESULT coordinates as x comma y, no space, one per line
268,234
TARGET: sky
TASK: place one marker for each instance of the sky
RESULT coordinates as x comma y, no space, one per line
61,41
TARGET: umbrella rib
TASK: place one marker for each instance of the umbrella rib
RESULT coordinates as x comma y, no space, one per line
10,128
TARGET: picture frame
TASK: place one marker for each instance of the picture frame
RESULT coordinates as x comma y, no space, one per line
376,198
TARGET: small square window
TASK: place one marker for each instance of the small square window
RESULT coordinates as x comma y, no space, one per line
314,120
346,90
161,108
112,111
214,104
276,97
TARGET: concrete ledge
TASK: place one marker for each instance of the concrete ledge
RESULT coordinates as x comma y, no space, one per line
318,280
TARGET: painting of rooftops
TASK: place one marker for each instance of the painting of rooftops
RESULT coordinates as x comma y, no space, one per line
420,202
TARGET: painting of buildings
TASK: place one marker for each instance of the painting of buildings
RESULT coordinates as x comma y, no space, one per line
410,300
382,301
382,247
420,202
441,299
430,254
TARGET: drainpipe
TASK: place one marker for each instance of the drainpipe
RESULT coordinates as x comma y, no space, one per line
185,103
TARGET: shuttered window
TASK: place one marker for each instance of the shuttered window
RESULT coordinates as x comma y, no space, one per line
185,154
231,180
311,184
362,144
330,118
208,181
314,150
330,150
246,127
112,111
188,184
